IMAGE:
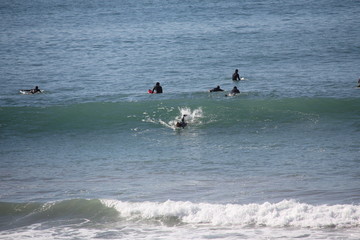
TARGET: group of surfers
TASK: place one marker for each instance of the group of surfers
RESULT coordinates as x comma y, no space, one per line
235,90
158,89
182,124
235,77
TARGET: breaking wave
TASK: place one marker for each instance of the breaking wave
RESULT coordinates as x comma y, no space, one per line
287,213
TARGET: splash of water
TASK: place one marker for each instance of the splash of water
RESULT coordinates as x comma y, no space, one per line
192,117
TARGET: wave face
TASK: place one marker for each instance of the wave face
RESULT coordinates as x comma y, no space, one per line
203,113
14,215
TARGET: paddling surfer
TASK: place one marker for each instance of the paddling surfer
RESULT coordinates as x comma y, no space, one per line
234,90
35,90
182,123
217,89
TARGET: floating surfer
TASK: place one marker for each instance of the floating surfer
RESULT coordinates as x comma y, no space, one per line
233,91
236,76
217,89
31,91
182,123
358,83
156,89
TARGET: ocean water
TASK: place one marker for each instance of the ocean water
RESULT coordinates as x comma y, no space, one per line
96,157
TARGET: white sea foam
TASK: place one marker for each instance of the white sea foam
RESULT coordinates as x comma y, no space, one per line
191,117
287,213
176,220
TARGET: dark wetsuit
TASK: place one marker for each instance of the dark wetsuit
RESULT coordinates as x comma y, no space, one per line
182,123
234,90
217,89
157,89
236,77
35,90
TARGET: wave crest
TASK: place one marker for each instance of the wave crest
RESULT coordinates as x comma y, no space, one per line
287,213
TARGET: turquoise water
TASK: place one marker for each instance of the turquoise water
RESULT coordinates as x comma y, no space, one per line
96,157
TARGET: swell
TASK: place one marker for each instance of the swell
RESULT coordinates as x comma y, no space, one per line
13,215
214,112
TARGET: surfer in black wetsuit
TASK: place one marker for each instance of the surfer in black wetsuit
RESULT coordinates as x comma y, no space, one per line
182,123
35,90
234,90
236,76
217,89
157,88
358,83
